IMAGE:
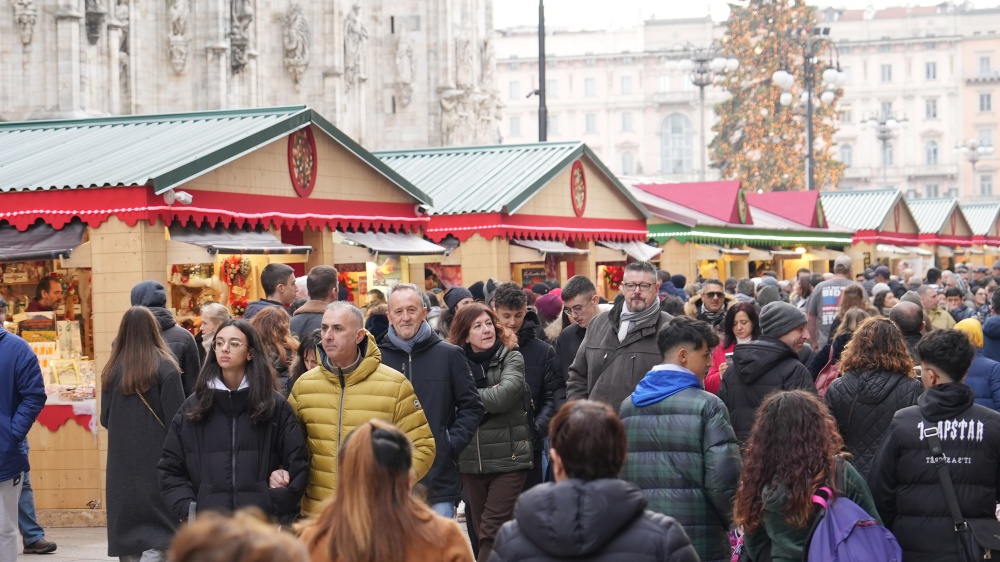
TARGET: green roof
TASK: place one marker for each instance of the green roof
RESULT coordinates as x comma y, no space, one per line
931,214
747,235
491,179
982,217
858,209
162,151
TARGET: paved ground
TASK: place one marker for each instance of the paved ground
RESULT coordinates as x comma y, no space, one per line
81,543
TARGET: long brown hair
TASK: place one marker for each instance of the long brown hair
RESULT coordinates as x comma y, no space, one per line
373,516
796,427
245,537
274,329
851,320
853,296
137,353
877,345
465,318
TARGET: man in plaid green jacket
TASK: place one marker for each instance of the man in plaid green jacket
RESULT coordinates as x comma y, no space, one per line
682,451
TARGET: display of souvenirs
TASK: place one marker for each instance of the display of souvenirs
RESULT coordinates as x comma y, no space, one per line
613,275
236,272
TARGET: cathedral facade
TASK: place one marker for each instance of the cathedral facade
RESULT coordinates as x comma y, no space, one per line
389,73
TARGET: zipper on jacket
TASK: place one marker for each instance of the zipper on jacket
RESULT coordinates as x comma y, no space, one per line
232,425
340,424
479,454
409,372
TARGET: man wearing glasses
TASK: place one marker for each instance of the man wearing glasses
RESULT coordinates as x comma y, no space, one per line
619,347
579,296
711,305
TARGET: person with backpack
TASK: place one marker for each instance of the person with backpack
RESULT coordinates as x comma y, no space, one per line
774,504
905,480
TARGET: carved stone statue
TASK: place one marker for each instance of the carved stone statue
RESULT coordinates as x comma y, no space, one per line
124,63
25,15
177,44
404,68
239,33
465,73
355,35
297,39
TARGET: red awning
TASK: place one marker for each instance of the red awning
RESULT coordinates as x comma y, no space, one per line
132,204
535,227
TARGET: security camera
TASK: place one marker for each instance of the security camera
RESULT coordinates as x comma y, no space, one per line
421,209
183,197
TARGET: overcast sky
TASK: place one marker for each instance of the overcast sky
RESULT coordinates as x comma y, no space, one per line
604,14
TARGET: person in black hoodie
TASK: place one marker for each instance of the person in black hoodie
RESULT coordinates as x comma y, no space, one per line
579,298
236,441
767,364
153,296
442,381
548,389
904,479
588,513
909,318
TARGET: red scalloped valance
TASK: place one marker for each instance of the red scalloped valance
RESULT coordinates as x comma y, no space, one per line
135,203
535,227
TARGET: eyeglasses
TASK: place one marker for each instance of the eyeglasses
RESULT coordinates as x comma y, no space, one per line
234,345
714,295
576,310
643,287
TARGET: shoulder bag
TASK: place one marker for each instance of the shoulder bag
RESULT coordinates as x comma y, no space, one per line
150,408
977,538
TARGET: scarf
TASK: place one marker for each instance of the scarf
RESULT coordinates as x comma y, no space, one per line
712,317
483,357
629,320
661,382
424,333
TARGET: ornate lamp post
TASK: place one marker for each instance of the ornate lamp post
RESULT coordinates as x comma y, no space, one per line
885,125
812,42
974,150
704,65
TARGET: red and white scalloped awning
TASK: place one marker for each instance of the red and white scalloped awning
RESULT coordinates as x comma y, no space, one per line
535,227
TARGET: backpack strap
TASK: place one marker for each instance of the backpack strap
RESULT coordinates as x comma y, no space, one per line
930,434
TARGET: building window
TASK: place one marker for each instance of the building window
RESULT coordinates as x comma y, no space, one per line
551,88
590,87
931,153
985,135
846,154
932,190
986,185
985,66
887,73
515,126
985,102
677,144
626,85
885,47
930,71
590,123
553,125
513,89
886,108
930,109
845,116
664,85
628,163
627,122
887,154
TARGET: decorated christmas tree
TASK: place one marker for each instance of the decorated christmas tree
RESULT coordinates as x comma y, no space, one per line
757,139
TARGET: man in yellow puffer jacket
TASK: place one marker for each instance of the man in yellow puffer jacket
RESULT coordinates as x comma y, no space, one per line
348,388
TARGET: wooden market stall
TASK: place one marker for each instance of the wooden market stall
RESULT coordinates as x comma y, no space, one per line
885,230
984,221
943,230
200,202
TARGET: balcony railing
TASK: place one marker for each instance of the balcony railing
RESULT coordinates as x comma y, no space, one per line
937,171
674,97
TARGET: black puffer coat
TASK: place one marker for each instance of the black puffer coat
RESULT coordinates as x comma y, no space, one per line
863,405
182,346
906,486
224,461
759,368
548,389
597,521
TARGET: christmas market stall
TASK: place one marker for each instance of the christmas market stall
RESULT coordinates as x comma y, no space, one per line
200,202
885,230
943,230
527,212
984,221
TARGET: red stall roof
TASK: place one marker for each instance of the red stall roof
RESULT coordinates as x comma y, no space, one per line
723,200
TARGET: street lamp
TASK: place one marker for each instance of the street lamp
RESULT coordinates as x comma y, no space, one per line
704,65
885,124
974,150
812,43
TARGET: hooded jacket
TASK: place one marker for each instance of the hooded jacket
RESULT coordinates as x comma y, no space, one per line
22,396
863,403
307,318
683,454
548,389
443,383
984,380
991,338
692,308
253,307
759,368
566,345
331,405
668,288
598,521
904,479
606,369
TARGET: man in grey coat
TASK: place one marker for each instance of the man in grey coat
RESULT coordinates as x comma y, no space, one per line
620,345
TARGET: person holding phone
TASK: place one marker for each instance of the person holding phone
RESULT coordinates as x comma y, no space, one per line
741,325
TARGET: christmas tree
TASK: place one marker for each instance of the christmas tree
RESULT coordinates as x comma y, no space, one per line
757,139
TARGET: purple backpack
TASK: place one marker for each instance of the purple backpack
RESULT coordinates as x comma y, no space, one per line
844,532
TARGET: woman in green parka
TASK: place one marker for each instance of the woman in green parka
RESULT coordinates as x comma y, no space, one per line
774,504
496,462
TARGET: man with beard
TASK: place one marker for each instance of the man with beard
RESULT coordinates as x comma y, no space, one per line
711,305
620,345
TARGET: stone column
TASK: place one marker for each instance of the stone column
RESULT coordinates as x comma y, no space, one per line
68,40
113,83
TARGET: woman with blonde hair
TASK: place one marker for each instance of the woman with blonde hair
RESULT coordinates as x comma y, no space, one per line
876,380
213,315
374,516
274,328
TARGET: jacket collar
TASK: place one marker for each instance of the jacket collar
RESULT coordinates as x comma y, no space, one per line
311,307
371,358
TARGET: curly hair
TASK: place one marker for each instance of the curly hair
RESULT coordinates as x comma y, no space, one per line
796,427
877,345
462,324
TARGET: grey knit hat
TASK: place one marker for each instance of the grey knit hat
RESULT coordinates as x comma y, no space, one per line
779,318
912,296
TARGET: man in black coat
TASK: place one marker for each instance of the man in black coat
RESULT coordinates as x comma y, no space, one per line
443,383
904,478
909,318
548,389
579,298
767,364
153,296
322,286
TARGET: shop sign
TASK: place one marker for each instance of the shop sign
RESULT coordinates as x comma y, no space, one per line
741,206
578,188
302,161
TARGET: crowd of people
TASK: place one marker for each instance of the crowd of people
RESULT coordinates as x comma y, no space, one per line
678,422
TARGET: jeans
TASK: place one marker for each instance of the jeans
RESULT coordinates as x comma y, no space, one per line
444,509
26,520
10,490
152,555
545,460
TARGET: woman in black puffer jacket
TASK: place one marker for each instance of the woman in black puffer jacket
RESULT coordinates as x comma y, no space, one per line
876,380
